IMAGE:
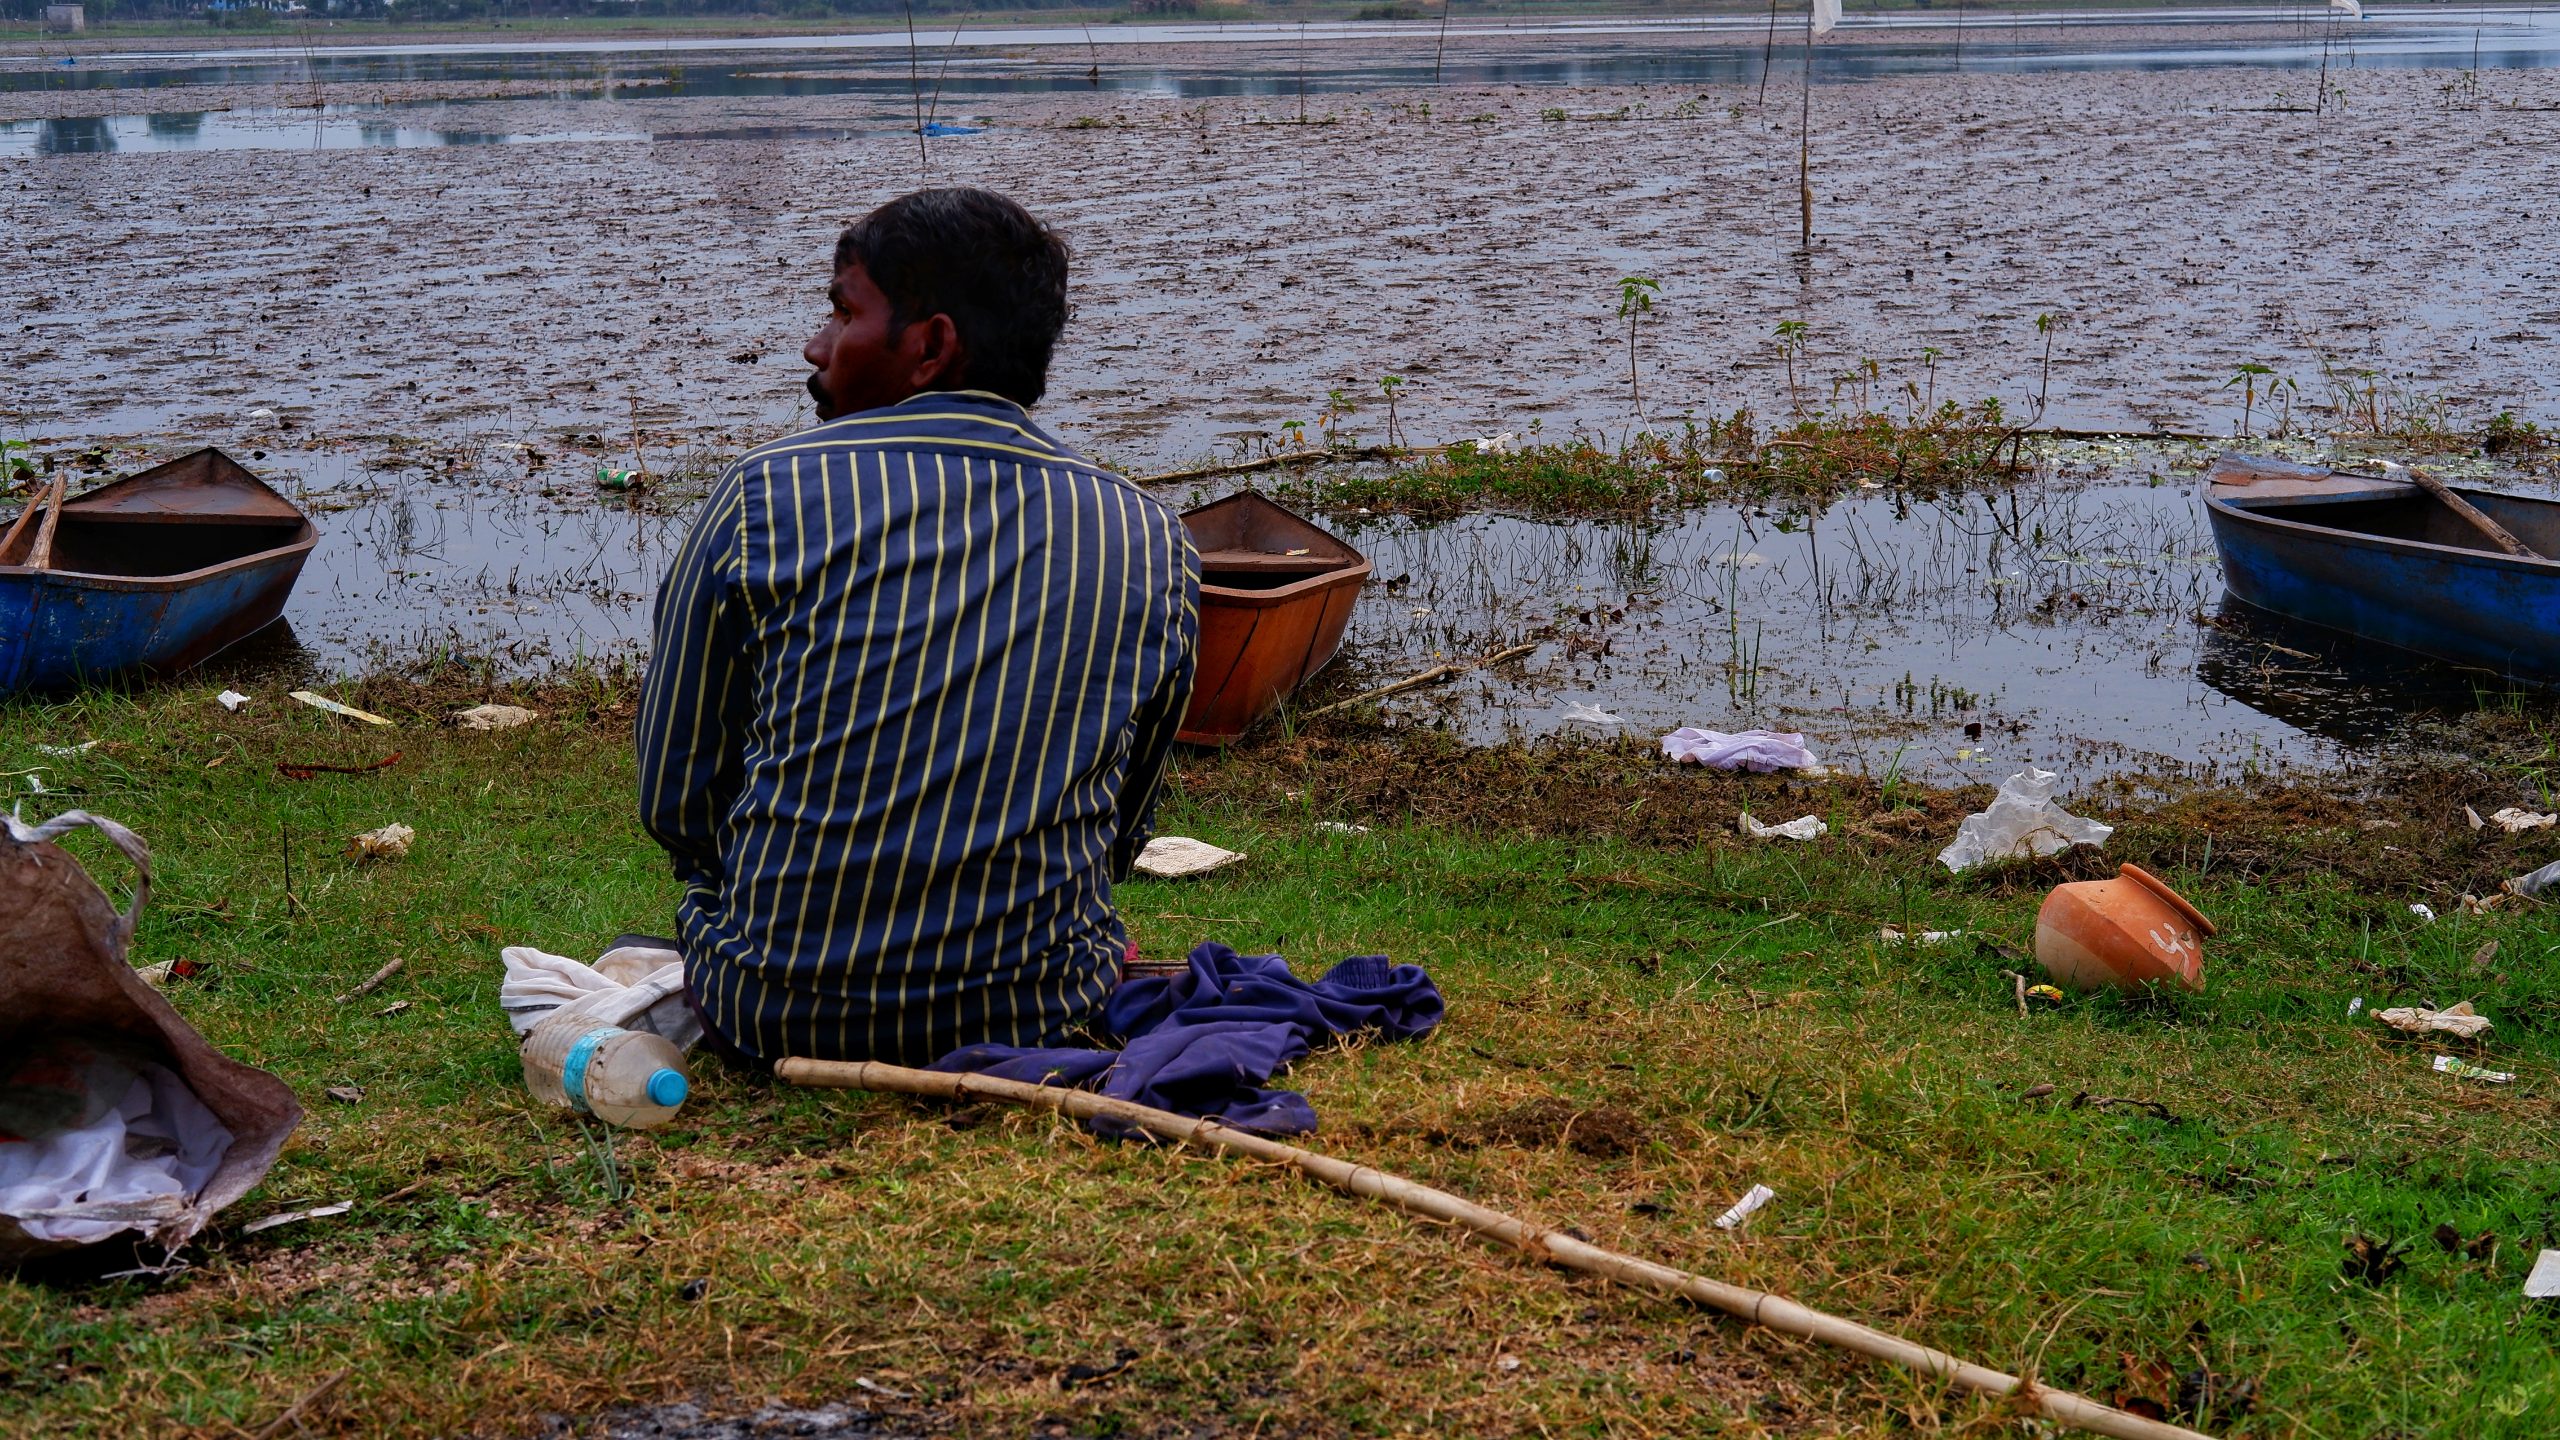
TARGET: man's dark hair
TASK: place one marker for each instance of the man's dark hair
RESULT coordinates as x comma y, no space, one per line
984,261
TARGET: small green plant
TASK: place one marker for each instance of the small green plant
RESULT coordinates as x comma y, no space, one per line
1297,433
1389,385
1790,336
2505,432
1635,301
2251,379
1338,407
18,466
2047,326
1553,114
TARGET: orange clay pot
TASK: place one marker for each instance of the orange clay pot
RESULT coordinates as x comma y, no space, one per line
2128,932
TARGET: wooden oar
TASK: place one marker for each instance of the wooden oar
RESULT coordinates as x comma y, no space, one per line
1553,1246
43,553
2496,532
43,500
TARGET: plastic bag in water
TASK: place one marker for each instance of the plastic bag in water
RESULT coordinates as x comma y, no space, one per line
2022,821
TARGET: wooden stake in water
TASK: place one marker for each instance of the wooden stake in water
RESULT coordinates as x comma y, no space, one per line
915,85
1804,144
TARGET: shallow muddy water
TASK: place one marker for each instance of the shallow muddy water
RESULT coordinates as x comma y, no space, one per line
343,241
2078,624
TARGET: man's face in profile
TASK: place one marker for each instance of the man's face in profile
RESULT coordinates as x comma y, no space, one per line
859,362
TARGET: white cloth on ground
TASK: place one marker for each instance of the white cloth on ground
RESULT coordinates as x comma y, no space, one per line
637,987
1759,751
147,1159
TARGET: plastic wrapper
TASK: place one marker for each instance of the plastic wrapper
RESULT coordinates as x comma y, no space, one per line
2023,821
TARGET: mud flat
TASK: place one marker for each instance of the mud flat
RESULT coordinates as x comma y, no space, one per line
446,339
1236,266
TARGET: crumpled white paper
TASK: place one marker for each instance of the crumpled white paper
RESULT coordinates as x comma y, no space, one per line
1803,827
2022,820
1169,857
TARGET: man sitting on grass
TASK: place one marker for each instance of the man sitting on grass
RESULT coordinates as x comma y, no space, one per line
916,671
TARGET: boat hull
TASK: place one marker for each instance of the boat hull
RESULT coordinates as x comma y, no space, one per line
2440,600
156,572
1276,595
60,631
1253,656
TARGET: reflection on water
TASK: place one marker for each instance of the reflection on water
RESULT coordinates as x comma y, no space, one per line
1271,61
2330,685
332,128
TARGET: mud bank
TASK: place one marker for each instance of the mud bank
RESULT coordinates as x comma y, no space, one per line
1235,266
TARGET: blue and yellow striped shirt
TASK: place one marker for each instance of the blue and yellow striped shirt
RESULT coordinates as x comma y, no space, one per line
915,675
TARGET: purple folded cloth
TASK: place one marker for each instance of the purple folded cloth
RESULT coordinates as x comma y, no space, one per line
1207,1041
1756,750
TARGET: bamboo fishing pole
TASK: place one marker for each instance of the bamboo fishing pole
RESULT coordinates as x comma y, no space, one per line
1774,1312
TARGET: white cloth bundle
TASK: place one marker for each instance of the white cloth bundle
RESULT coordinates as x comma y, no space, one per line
637,987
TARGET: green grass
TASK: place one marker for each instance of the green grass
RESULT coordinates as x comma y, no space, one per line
1815,457
1734,999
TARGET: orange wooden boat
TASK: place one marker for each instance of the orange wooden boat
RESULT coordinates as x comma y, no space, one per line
1275,594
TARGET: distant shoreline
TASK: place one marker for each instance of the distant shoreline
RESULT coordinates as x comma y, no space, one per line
22,40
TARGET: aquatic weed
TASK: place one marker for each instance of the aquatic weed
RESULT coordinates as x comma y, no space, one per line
1635,301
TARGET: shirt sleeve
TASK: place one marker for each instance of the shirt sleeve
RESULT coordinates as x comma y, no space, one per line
1154,724
696,703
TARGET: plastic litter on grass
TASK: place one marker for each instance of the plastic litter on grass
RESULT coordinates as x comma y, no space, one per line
388,843
2460,1021
2022,821
323,702
1803,827
494,717
2465,1070
1743,1208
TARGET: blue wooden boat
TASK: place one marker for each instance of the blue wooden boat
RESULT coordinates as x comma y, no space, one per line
2385,561
157,572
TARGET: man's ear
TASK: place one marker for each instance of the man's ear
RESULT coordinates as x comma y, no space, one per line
939,357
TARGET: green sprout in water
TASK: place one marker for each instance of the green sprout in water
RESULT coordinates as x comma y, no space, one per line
1388,385
2252,379
17,463
1635,301
1790,337
1338,407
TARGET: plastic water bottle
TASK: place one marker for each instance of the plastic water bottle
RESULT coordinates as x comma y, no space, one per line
623,1077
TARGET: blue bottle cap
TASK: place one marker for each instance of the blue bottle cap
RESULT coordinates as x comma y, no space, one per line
667,1088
